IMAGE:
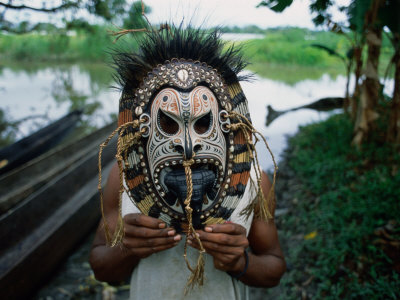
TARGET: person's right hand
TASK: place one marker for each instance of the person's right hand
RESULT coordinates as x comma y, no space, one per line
145,235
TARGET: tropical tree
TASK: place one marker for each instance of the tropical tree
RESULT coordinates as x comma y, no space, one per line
368,20
104,9
364,15
393,24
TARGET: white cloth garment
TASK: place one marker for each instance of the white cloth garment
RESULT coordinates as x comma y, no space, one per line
163,275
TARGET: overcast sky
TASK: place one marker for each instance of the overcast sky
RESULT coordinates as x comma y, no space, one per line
233,12
209,12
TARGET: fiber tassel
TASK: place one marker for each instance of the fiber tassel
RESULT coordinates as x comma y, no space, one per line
118,233
197,276
260,206
120,156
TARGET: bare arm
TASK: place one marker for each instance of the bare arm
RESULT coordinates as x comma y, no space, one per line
143,236
227,243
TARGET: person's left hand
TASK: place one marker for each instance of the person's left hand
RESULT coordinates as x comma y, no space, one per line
226,243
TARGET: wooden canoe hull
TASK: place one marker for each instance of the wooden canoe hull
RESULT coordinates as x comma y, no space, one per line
21,182
39,232
37,143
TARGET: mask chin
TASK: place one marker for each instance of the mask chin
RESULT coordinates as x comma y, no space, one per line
202,180
207,174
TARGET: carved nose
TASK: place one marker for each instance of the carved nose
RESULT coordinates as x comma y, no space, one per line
188,145
179,148
196,148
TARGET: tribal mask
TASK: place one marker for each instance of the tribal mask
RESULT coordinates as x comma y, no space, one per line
184,115
184,126
180,103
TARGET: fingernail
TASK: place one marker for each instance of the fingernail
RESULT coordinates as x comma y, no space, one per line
177,238
208,229
161,225
171,232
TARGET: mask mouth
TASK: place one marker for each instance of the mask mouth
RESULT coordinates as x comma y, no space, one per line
207,177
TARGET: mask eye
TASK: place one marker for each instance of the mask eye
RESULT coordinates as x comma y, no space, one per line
203,124
167,124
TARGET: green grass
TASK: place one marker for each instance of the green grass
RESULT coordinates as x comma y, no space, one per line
283,46
57,46
346,196
293,46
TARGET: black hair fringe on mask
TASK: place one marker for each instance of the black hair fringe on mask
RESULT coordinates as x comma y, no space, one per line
157,46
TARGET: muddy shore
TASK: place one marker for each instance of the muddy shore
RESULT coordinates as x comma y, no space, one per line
75,280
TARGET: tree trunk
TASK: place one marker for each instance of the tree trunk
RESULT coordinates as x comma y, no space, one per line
393,134
367,108
346,102
357,87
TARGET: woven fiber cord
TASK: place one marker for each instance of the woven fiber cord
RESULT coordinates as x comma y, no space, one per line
197,276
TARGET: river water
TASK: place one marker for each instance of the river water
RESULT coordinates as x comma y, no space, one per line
46,92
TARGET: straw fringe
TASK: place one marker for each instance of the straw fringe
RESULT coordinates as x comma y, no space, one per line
260,206
122,147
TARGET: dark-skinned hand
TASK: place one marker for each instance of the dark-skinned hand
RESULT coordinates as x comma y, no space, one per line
145,235
226,243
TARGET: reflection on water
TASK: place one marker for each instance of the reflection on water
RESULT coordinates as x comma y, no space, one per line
283,96
292,74
54,90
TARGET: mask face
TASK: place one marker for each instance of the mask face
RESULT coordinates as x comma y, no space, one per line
183,110
185,125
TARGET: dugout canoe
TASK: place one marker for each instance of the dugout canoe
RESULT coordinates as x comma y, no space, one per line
32,146
24,180
40,231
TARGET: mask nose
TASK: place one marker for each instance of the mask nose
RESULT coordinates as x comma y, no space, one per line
181,149
188,145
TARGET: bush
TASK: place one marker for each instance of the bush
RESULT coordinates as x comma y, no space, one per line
351,200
